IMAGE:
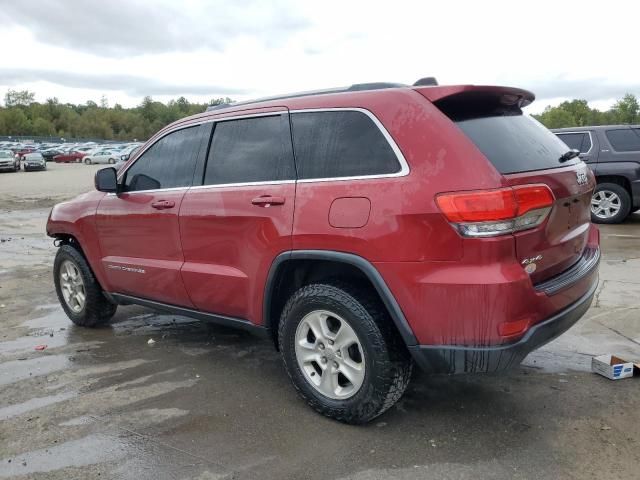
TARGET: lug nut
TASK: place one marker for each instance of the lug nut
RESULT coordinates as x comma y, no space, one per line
321,346
339,353
330,342
335,365
323,359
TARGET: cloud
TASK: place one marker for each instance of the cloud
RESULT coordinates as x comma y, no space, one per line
590,89
130,84
117,28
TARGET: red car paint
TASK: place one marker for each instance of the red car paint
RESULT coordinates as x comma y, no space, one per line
70,157
213,248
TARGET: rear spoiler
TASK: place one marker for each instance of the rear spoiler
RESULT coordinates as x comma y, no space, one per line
507,96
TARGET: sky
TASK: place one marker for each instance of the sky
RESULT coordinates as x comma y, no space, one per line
78,50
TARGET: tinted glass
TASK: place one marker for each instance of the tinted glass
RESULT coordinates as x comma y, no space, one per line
573,140
168,163
624,140
340,144
250,150
6,154
516,143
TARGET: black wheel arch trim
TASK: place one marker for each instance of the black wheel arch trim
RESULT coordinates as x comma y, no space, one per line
360,263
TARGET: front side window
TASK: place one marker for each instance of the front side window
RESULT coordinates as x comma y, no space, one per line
250,150
168,163
624,139
336,144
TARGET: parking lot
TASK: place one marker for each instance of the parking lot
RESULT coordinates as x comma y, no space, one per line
208,402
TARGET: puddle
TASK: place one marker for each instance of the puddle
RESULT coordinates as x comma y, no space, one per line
85,451
14,371
33,404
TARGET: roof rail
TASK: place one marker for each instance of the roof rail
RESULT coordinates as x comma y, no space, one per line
356,87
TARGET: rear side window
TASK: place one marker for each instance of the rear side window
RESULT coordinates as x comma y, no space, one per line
168,163
250,150
337,144
516,143
580,141
624,139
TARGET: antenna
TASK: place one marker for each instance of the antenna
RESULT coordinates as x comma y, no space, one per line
426,82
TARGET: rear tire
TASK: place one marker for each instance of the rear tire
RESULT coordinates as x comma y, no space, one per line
611,203
78,290
112,161
320,320
87,161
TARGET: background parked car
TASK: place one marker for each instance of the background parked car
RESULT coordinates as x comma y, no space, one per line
8,161
69,157
613,153
48,154
34,161
101,156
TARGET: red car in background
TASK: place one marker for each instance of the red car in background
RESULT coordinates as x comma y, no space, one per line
23,151
69,157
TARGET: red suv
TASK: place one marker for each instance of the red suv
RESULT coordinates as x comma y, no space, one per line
361,229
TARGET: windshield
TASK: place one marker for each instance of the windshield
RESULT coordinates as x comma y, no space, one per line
516,143
6,154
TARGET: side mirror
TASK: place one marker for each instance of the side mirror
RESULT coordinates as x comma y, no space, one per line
106,180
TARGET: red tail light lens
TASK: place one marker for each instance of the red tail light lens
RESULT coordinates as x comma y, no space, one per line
486,213
532,197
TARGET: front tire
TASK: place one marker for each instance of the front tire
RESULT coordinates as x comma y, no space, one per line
87,161
342,352
611,203
78,290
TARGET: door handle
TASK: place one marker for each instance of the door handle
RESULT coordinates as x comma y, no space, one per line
163,204
267,201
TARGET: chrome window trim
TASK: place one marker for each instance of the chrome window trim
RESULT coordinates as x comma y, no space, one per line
404,166
582,132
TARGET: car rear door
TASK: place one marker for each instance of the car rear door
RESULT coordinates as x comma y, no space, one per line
139,230
586,142
241,217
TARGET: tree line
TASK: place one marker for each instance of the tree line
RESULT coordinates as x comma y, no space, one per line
577,113
23,116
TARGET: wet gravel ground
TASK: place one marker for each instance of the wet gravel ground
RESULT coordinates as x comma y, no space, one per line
206,402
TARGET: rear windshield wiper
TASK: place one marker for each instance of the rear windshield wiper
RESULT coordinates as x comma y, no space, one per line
573,153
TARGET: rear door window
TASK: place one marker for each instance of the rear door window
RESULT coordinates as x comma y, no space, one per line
334,144
580,141
624,139
250,150
168,163
516,143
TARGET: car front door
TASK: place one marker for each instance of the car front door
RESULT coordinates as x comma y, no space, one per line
241,217
138,228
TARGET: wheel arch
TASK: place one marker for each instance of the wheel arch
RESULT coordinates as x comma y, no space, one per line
292,270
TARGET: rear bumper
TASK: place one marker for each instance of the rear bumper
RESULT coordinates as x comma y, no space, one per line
468,359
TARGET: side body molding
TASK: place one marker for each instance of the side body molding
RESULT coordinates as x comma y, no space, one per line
363,265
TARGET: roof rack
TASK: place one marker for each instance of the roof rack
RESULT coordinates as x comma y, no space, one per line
356,87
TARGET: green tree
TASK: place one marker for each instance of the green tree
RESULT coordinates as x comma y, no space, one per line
627,109
14,98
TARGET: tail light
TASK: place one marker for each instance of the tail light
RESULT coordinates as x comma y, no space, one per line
487,213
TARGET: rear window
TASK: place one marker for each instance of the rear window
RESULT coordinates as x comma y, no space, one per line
624,140
516,143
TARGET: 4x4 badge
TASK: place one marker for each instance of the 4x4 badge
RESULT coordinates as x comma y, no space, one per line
582,178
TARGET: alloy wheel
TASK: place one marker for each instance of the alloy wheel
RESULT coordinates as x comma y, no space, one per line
330,355
605,204
72,286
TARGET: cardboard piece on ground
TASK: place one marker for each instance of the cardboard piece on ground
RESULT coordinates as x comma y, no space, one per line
612,367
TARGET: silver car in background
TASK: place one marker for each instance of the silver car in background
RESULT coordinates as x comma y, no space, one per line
8,161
